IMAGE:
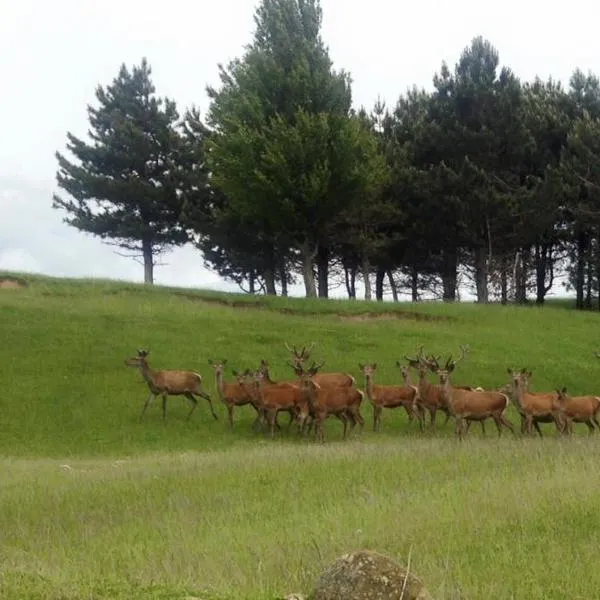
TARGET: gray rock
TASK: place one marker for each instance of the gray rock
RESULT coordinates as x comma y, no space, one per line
368,575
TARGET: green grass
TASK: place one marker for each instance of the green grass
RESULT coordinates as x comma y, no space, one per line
94,504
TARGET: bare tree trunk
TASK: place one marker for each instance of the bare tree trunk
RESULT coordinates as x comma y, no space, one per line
393,285
323,271
520,275
504,280
308,257
350,277
580,269
283,277
252,283
379,277
449,275
366,271
148,262
269,277
481,275
414,284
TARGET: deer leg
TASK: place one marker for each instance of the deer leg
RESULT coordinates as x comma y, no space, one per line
447,418
230,415
376,417
344,419
194,402
319,428
292,418
272,418
595,419
537,427
483,427
506,423
207,398
459,427
590,425
164,406
432,412
150,398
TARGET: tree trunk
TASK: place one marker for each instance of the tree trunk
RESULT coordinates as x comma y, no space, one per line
504,281
308,257
414,284
589,279
269,277
379,277
350,278
251,283
366,271
580,269
283,277
148,262
520,274
481,275
323,271
540,273
449,275
390,276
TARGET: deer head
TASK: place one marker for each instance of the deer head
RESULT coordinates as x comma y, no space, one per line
139,360
300,356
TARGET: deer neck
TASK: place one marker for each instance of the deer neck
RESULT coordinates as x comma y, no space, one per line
147,373
446,388
369,386
219,379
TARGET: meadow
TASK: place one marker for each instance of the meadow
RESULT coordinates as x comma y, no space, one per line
95,504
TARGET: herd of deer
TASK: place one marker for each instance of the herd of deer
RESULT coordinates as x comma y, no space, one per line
314,396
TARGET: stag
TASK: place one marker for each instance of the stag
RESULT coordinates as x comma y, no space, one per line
232,394
300,357
341,401
576,409
169,383
533,407
430,395
466,405
272,398
389,396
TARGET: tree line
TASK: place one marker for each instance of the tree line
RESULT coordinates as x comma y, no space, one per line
484,183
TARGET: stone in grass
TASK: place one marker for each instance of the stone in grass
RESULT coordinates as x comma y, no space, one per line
367,575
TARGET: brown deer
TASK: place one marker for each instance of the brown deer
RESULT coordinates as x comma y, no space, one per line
533,407
300,357
466,405
430,396
577,409
232,394
341,401
272,398
169,383
389,396
417,408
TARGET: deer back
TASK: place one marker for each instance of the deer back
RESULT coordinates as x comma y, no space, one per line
576,407
177,382
343,379
469,403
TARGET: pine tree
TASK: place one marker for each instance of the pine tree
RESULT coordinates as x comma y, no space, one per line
127,185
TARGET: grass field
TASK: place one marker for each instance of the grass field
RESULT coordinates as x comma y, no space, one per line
94,504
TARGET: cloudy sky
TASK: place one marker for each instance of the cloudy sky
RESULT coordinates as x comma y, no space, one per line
53,54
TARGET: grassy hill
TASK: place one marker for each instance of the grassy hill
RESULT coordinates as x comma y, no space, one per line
98,505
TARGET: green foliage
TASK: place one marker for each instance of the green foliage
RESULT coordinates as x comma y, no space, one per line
126,185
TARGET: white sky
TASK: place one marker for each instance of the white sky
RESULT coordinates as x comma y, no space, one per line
53,54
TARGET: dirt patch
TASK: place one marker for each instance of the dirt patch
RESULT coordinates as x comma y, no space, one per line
286,310
9,283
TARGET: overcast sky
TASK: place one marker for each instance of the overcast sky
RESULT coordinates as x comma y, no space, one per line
53,54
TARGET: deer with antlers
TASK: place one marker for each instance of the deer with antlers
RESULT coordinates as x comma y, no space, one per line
533,407
169,383
273,398
577,409
300,357
430,395
341,401
466,405
389,396
233,394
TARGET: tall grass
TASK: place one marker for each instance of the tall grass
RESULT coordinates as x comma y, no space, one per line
94,504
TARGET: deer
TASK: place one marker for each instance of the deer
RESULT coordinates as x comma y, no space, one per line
417,409
232,394
467,405
300,357
271,398
169,383
534,407
389,396
341,401
430,394
577,409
